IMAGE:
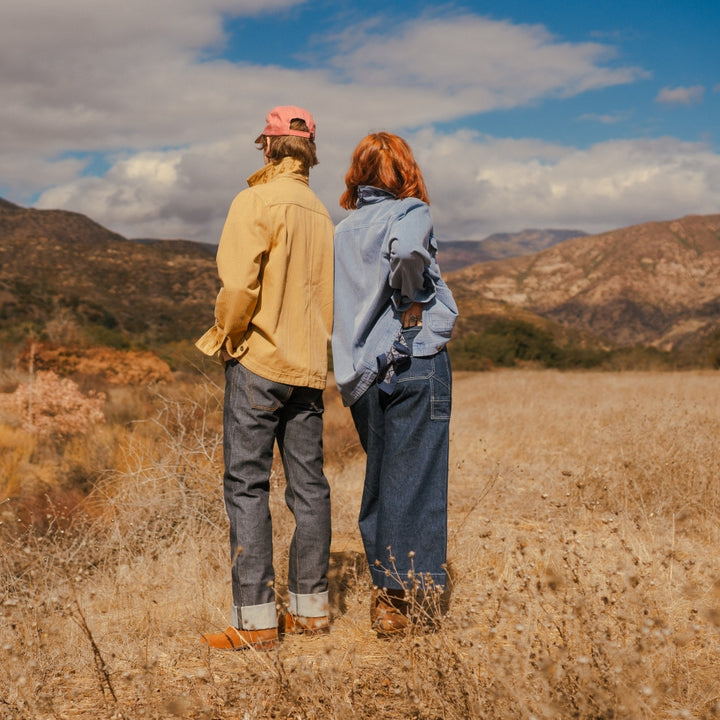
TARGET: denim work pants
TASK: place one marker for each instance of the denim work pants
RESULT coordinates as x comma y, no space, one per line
258,412
404,503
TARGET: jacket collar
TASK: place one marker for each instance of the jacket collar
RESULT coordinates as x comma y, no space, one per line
367,194
288,166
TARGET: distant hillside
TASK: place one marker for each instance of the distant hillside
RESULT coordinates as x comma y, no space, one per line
653,284
572,304
62,265
17,223
457,254
176,245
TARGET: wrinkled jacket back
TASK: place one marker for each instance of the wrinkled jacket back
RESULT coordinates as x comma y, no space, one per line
275,261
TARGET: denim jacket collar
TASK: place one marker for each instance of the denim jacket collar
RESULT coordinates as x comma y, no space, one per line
367,194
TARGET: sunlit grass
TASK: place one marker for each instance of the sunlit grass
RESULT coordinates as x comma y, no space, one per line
583,533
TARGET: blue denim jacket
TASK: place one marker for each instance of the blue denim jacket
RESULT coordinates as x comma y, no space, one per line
384,261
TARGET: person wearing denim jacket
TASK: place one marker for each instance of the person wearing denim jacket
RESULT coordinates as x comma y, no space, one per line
393,316
273,317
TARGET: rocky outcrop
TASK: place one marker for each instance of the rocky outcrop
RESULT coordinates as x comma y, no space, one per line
652,284
116,367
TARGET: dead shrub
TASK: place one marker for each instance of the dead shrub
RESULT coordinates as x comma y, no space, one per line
53,407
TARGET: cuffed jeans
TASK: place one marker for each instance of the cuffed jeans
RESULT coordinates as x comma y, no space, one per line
403,514
257,412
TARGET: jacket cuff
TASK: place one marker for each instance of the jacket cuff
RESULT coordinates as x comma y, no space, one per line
215,340
424,295
210,342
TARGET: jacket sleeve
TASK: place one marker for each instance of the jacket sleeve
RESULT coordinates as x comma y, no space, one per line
409,250
244,242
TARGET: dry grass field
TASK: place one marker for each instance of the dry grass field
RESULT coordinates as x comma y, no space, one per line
584,527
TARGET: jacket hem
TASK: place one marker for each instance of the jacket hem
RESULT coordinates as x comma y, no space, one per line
317,382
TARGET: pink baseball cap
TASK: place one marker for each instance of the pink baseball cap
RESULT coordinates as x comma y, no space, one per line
279,118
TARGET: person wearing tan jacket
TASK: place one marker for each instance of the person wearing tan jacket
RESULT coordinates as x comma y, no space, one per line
273,320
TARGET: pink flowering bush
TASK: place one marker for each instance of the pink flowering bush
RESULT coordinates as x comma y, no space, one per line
54,407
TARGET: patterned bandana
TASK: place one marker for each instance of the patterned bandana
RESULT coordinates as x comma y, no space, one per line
392,362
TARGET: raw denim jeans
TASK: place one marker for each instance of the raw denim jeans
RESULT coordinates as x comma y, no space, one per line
404,503
256,413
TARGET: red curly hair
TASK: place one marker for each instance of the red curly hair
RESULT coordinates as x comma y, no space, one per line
385,161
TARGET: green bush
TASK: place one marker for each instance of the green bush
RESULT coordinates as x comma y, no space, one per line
101,335
507,343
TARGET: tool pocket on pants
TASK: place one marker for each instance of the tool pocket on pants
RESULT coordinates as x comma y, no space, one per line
441,388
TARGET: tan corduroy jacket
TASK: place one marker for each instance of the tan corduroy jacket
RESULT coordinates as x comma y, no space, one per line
275,262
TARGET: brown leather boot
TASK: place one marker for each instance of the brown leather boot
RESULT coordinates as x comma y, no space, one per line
389,612
299,625
234,639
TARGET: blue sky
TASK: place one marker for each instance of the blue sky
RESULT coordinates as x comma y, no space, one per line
522,114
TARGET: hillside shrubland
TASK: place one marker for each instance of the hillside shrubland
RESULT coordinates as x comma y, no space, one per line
502,342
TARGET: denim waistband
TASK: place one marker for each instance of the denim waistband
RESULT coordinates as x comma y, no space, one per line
410,333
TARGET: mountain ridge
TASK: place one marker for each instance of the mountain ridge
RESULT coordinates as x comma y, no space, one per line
56,265
656,284
455,254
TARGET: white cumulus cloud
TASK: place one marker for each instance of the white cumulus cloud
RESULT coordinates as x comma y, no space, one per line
139,87
681,95
511,185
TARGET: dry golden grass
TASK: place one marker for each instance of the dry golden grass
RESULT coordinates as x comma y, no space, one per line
583,533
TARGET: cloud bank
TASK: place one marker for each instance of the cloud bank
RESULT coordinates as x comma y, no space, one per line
125,112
